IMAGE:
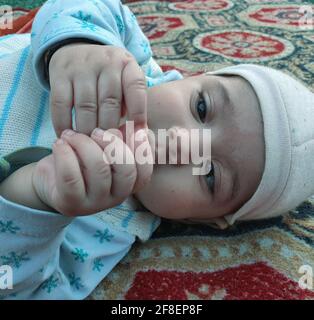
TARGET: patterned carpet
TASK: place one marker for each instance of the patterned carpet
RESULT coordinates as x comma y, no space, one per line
252,260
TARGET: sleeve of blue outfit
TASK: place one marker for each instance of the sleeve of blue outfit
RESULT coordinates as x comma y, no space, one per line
55,257
105,22
30,243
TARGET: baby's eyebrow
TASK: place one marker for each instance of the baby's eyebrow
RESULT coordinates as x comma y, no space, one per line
225,97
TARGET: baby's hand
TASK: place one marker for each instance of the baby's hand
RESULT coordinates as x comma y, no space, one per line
79,179
97,80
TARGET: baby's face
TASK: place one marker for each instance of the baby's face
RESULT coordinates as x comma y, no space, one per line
237,147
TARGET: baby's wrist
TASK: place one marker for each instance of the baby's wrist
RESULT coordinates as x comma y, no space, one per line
19,188
40,202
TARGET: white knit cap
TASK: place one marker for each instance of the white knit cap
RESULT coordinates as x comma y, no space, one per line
287,108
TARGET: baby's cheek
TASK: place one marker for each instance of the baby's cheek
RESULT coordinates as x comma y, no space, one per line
172,191
152,198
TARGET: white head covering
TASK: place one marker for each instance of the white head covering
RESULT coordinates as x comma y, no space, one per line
287,108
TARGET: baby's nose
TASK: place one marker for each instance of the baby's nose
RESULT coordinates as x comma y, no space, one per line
189,146
179,145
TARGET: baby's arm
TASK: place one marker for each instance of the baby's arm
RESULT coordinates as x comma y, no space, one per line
30,237
30,243
19,188
79,177
51,256
45,263
101,82
105,22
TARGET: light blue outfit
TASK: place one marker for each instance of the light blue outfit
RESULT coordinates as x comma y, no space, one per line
53,256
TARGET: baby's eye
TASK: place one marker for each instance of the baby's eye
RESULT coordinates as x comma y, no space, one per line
210,179
201,107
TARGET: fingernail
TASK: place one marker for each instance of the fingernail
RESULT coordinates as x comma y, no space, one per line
59,141
98,133
141,135
67,133
141,128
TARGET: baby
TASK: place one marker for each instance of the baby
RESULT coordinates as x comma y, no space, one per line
67,218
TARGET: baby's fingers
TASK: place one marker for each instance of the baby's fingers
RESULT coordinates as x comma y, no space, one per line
109,99
85,98
61,102
96,172
69,181
123,166
135,95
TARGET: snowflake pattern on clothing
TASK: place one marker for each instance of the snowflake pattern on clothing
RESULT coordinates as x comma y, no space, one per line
97,265
81,16
79,255
105,235
8,227
120,24
87,25
15,260
75,281
50,284
145,45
